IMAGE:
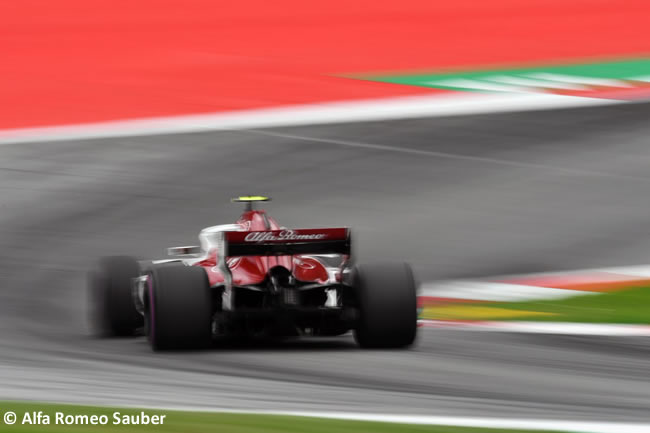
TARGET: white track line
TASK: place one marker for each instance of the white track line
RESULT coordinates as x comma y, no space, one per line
455,104
594,81
640,269
637,272
463,83
555,328
446,155
458,421
563,426
499,289
494,423
561,78
532,84
494,291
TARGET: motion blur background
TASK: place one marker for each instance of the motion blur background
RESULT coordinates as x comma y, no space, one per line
478,195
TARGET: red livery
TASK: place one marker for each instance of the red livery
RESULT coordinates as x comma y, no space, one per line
256,278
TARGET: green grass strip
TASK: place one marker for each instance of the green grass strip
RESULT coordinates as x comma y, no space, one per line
618,69
200,422
631,306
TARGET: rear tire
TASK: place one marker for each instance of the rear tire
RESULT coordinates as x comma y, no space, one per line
178,308
113,309
387,302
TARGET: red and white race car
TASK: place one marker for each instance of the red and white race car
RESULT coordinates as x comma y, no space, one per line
256,278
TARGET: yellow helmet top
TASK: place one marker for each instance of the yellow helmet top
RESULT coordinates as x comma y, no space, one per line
250,198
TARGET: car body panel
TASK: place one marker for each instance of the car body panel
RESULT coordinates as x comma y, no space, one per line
252,270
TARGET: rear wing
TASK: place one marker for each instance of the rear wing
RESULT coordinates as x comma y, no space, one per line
276,243
285,242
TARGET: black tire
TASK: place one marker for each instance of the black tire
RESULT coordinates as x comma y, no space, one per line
113,310
387,303
178,308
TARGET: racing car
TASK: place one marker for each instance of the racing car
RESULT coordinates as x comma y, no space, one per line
255,278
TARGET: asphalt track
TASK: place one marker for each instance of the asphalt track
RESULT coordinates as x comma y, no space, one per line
456,197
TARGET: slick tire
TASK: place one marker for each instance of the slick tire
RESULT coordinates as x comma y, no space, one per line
113,310
387,304
178,308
